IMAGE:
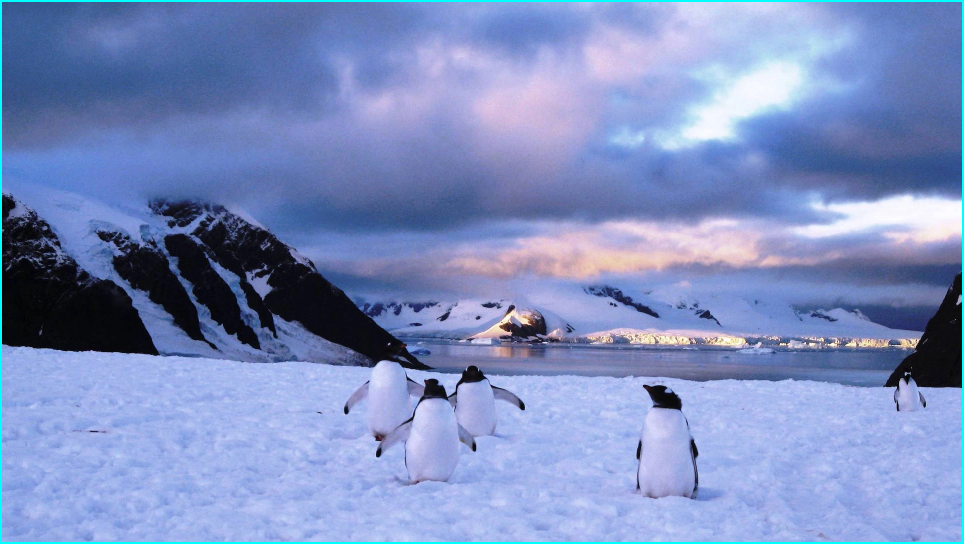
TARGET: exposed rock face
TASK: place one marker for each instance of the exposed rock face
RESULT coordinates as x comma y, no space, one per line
50,302
705,314
378,308
619,296
209,288
289,286
820,315
937,360
523,323
147,269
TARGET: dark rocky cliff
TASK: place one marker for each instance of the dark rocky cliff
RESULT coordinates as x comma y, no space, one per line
50,302
293,288
937,360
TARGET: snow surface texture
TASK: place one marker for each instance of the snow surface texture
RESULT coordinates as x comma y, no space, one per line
574,313
193,449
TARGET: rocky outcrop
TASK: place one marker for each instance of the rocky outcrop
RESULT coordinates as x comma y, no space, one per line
289,286
523,323
620,297
209,287
147,269
705,314
378,308
937,360
50,302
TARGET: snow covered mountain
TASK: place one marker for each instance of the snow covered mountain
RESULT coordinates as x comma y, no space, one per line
607,314
49,301
183,278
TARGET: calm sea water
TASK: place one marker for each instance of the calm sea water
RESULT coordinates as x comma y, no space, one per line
863,367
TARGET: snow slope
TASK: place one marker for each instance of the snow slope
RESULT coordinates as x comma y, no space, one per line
193,449
607,314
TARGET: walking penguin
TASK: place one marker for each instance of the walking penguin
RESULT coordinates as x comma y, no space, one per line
431,437
388,392
474,402
906,396
666,450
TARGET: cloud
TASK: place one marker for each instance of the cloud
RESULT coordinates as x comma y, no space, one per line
607,139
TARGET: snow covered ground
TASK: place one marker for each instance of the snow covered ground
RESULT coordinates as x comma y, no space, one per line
197,449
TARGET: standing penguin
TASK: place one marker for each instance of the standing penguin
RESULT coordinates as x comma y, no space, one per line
387,392
666,450
474,402
906,396
431,437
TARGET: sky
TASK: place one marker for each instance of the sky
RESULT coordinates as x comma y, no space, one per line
807,151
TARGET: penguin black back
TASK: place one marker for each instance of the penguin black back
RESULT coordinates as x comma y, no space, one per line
663,397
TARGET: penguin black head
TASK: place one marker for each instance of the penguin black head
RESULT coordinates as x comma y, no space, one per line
434,390
471,375
394,349
907,375
663,397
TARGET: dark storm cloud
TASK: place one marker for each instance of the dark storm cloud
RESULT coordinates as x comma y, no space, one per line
896,123
212,82
107,65
470,126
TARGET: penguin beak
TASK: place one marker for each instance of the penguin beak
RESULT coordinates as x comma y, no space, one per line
646,387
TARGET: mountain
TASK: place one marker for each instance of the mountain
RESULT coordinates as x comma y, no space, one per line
50,302
186,278
937,360
609,314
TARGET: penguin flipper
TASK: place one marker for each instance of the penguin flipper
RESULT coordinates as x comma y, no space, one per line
359,395
922,401
414,388
453,399
639,449
466,438
400,434
696,473
508,396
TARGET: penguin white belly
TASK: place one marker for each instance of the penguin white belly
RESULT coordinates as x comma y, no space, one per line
388,399
908,398
433,448
475,408
666,462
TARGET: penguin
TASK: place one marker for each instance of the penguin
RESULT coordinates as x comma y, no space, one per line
431,437
906,396
666,450
397,351
474,402
387,392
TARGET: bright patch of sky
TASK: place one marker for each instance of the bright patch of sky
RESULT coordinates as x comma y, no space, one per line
773,85
628,138
919,219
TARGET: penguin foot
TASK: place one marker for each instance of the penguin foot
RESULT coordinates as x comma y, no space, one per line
379,437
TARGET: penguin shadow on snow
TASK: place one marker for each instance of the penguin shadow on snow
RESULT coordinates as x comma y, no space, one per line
708,494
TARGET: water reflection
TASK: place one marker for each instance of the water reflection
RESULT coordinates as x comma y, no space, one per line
867,367
516,352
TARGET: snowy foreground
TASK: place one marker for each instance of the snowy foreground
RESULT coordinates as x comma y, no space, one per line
210,450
